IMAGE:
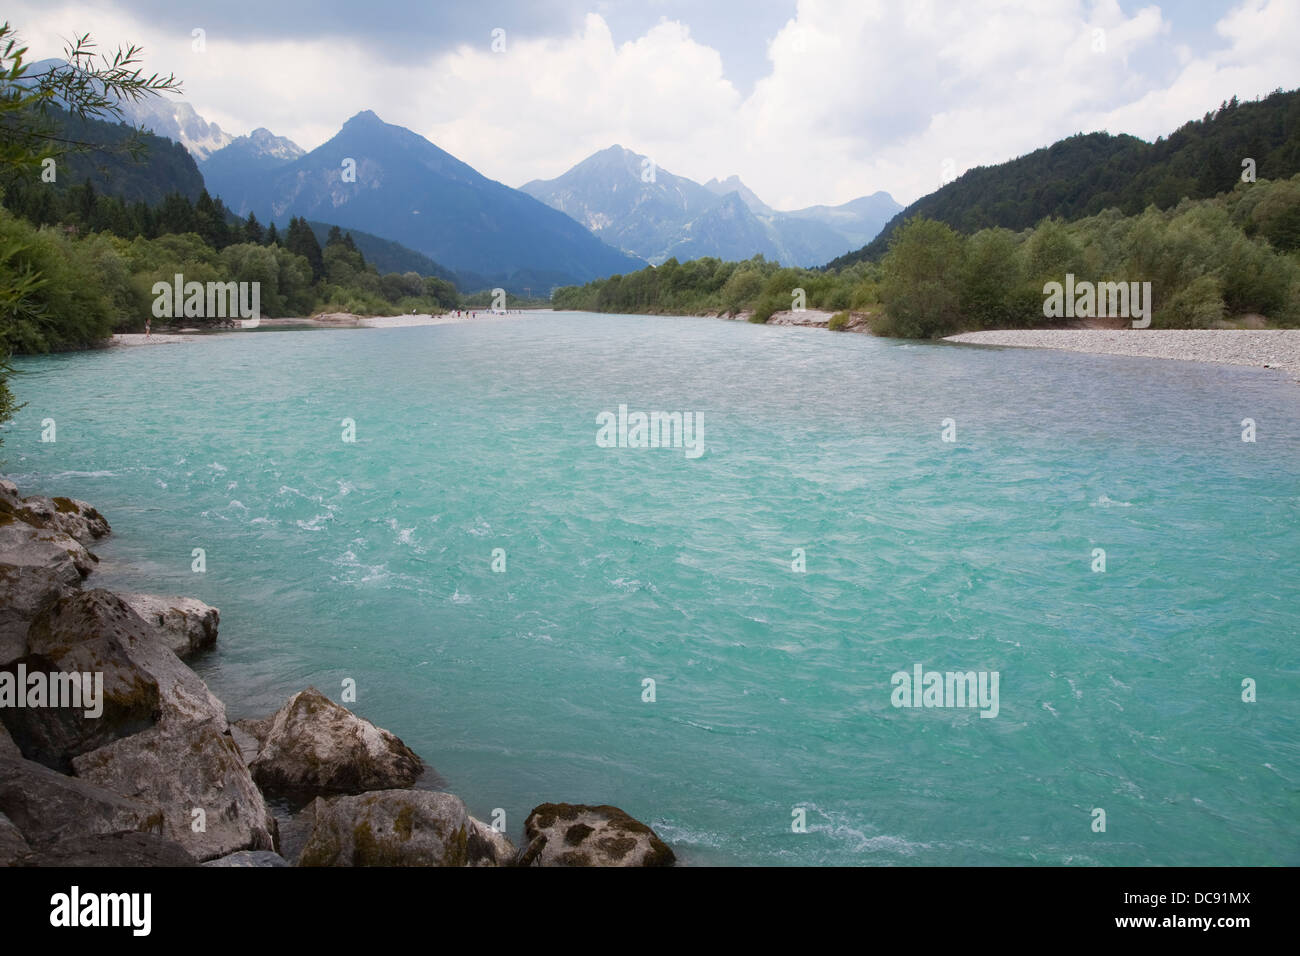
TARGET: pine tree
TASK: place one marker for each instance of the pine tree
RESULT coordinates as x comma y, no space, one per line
302,242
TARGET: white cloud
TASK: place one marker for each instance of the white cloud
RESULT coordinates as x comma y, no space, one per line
860,95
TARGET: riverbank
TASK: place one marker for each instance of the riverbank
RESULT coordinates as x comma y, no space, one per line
1262,348
113,752
327,320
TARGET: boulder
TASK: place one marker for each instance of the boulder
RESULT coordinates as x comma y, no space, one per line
567,834
312,746
69,516
113,849
183,624
8,749
37,567
246,858
144,684
388,828
12,845
47,806
83,633
181,770
488,847
102,616
249,745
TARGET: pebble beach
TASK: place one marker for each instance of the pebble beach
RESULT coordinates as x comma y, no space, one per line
1266,348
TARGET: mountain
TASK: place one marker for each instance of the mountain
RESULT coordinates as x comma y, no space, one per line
161,167
408,190
388,256
859,220
608,192
179,122
174,119
667,216
728,230
1086,173
247,157
732,184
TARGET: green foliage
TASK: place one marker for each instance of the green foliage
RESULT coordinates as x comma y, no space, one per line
1197,305
838,322
301,241
1086,174
1206,260
60,306
710,286
921,289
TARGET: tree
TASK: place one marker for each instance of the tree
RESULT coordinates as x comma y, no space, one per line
28,136
253,230
922,280
302,242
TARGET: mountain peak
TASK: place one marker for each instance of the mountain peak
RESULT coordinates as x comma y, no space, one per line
364,118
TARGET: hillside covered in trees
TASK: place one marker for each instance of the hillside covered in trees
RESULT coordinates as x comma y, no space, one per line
1088,173
1208,262
138,214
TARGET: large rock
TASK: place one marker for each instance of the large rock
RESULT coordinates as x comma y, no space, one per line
12,845
37,567
127,700
250,858
144,683
489,847
8,749
391,828
183,624
183,769
567,834
112,849
47,806
86,632
105,617
312,746
69,516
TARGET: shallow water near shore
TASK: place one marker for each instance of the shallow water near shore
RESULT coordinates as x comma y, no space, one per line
372,561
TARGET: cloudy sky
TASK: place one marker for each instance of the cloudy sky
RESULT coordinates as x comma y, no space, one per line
808,101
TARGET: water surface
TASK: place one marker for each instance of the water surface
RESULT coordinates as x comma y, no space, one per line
372,560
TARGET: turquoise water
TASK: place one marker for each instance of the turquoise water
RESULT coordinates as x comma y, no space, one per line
373,561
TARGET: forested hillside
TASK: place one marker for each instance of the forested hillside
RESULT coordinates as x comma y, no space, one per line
1085,174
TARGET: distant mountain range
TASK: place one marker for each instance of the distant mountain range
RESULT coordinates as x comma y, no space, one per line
599,218
1089,172
408,190
656,215
256,154
177,121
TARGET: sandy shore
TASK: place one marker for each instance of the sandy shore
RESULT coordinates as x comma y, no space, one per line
333,320
1266,348
135,338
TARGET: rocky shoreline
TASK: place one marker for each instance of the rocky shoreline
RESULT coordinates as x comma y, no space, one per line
114,753
1262,348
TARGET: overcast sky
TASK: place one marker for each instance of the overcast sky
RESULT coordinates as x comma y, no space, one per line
808,101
